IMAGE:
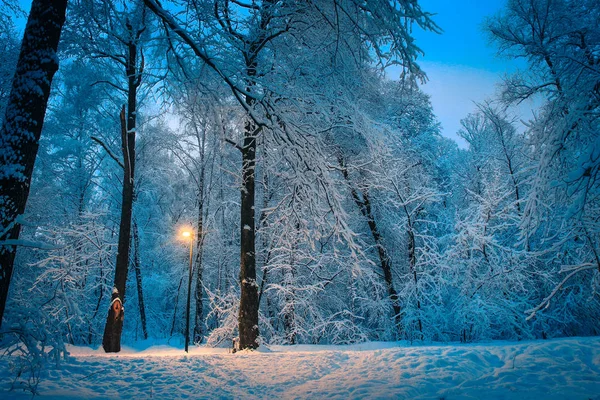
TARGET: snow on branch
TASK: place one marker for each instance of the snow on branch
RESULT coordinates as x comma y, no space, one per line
110,153
546,302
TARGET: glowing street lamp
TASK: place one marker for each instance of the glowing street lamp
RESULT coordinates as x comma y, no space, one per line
188,234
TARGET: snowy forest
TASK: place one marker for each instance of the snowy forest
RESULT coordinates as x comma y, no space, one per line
274,169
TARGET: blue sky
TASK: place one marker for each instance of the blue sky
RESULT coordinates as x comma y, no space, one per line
461,65
463,41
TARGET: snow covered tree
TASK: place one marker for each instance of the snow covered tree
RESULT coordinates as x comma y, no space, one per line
490,272
559,39
22,126
252,32
115,36
9,48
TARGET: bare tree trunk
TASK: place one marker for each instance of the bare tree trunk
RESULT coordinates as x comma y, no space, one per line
114,321
266,250
412,256
114,326
384,259
138,279
248,316
22,125
289,307
199,317
364,205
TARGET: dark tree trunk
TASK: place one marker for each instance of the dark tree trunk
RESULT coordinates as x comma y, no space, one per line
128,131
248,317
114,324
412,256
364,205
384,259
189,299
23,122
138,278
220,267
266,249
249,304
128,149
199,317
289,320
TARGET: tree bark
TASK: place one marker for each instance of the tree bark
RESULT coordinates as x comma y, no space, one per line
22,125
138,279
248,317
199,317
364,205
412,256
289,318
128,127
114,324
249,304
266,248
128,149
384,259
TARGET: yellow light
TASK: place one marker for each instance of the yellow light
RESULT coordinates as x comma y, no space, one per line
185,232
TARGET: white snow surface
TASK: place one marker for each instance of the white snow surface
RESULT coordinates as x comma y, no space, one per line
553,369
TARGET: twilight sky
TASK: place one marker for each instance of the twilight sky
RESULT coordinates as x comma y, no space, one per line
462,67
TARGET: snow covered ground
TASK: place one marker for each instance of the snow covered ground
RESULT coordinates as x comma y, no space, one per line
552,369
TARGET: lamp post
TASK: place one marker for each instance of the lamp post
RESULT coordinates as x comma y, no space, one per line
188,234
